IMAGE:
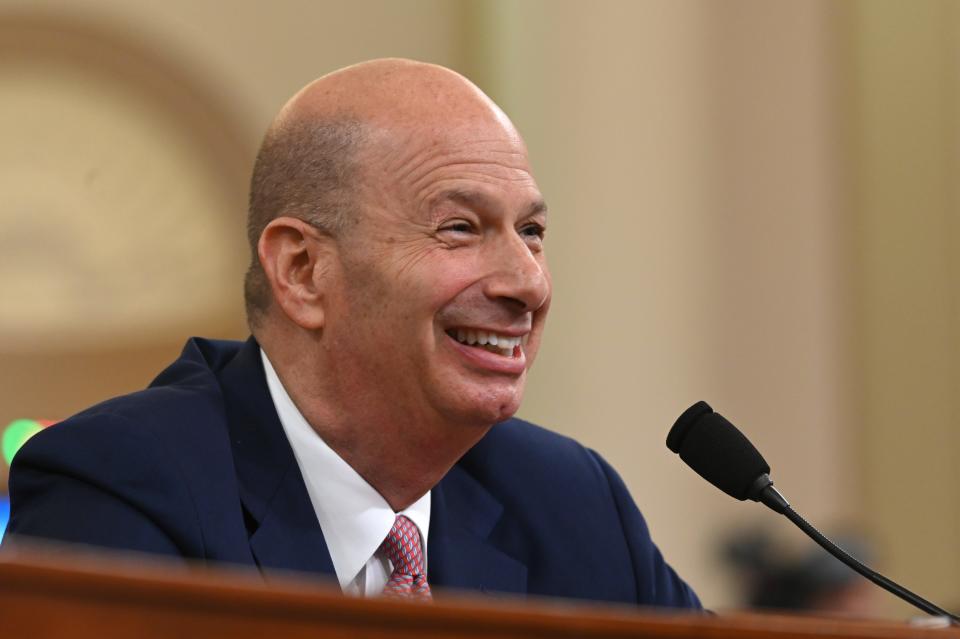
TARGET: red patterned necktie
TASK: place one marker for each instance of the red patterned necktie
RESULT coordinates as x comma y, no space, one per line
402,548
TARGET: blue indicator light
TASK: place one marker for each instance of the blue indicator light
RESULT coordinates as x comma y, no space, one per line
4,514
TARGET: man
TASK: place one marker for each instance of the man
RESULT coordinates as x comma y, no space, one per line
397,296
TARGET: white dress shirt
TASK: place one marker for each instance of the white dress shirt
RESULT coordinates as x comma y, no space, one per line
353,516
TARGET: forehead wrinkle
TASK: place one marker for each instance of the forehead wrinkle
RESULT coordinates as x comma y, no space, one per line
428,193
475,199
442,153
401,164
509,175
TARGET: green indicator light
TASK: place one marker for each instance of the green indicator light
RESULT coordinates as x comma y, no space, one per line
16,434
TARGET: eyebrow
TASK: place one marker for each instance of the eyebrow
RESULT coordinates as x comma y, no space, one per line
478,200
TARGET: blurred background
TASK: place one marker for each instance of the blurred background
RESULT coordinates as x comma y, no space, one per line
752,202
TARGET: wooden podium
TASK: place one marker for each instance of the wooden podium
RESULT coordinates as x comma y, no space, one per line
68,596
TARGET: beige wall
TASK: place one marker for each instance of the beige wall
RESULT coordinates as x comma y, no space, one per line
904,130
721,220
695,245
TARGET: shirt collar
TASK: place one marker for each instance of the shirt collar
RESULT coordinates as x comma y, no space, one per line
354,517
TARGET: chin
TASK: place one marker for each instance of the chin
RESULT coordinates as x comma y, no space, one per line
494,407
501,413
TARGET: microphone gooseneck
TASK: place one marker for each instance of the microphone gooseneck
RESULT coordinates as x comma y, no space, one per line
721,454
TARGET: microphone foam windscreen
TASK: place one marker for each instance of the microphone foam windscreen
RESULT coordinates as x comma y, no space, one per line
716,450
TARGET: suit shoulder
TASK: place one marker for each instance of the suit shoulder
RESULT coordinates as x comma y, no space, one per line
519,449
116,441
524,438
180,416
149,458
163,411
184,397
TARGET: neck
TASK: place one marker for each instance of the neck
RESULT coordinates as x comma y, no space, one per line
401,467
400,452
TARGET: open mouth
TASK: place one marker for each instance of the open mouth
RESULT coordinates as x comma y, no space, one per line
503,345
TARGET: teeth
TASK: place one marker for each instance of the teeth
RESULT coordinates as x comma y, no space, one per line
503,344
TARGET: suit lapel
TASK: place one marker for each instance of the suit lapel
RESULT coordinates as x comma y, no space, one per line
284,532
461,553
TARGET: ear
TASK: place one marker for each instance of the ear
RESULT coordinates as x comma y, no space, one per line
296,259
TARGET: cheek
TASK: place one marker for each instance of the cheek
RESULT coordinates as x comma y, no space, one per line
436,285
408,290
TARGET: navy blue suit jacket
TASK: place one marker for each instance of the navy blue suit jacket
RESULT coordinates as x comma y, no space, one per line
198,466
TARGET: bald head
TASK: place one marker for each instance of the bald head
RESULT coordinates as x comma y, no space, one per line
313,154
393,93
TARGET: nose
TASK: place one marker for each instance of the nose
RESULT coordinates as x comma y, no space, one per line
518,275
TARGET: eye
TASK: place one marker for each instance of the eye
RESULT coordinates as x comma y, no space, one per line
457,226
533,230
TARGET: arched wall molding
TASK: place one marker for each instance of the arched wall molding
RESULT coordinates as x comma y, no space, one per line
124,182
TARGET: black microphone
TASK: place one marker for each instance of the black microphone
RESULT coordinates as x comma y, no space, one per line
722,455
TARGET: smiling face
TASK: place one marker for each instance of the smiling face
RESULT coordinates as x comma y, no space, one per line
443,286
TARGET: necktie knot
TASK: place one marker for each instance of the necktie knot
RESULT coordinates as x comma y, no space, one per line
404,550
